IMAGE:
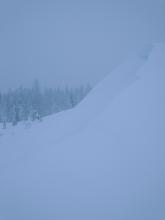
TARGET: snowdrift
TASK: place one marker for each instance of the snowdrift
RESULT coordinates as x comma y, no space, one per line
102,160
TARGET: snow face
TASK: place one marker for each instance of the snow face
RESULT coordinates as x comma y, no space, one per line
102,160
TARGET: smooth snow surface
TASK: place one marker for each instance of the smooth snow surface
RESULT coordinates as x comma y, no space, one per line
103,160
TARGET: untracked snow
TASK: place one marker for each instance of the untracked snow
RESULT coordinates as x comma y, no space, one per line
103,160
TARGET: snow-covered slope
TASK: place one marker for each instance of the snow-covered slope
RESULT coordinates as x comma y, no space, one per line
58,127
102,160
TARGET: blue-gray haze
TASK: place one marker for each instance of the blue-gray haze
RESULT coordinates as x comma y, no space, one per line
70,41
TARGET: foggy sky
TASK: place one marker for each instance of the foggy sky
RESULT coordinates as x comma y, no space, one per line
73,42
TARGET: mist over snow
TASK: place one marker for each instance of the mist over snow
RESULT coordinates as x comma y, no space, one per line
104,159
63,42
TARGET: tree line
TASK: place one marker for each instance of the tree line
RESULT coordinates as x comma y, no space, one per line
34,103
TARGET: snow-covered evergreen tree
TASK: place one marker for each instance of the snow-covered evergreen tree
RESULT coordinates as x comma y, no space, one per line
25,104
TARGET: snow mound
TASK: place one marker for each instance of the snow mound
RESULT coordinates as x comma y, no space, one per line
102,160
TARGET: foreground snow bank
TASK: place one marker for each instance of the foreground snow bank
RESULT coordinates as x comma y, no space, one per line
102,160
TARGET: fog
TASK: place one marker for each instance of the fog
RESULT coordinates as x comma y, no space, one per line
73,42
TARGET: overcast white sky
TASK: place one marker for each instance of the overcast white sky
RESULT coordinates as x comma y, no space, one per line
71,41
